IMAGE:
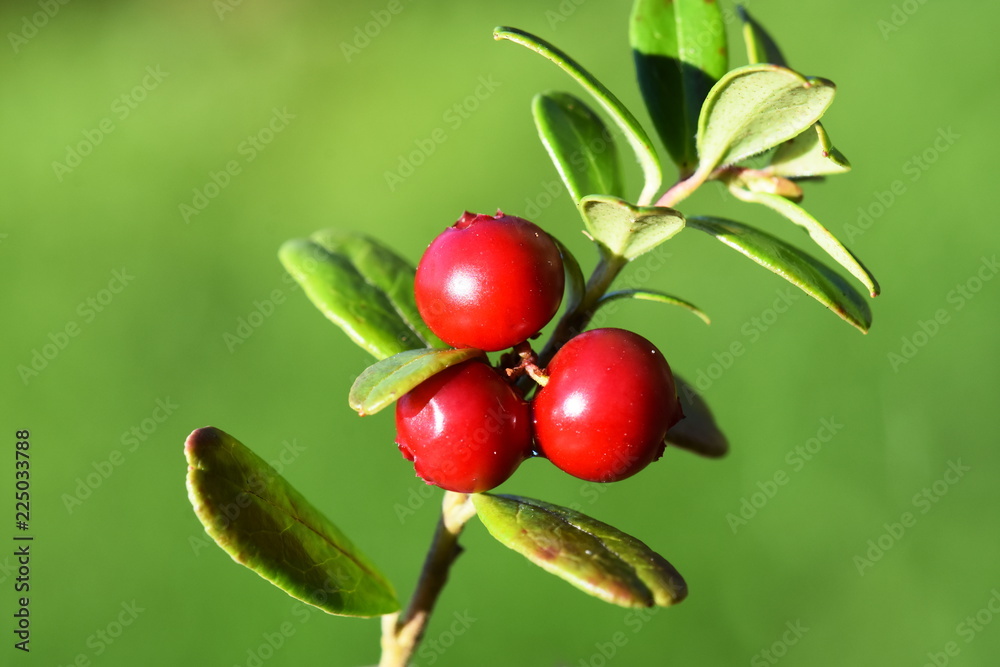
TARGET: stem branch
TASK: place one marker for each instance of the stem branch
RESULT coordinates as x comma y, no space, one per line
576,320
402,634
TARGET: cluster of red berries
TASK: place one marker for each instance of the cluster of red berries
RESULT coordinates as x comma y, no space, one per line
608,399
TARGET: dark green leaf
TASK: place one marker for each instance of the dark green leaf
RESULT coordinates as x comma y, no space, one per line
809,154
361,286
697,432
623,230
382,383
636,136
817,232
754,108
579,144
268,526
593,556
653,295
795,266
680,52
575,283
761,47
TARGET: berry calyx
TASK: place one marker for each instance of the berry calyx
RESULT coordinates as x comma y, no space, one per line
489,282
606,408
465,429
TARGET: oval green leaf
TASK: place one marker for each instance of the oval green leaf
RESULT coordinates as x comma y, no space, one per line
817,232
382,383
636,136
363,287
593,556
623,230
795,266
654,295
680,52
265,524
761,47
575,282
807,155
579,144
697,432
754,108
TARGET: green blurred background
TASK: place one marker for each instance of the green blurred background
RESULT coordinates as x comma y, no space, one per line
176,92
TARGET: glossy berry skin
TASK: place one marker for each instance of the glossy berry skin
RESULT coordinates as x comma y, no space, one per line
489,282
608,404
465,428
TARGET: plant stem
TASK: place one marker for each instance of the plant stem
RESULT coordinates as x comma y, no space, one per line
682,189
576,321
402,634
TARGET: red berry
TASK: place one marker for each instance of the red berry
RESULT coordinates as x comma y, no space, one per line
608,403
489,282
465,429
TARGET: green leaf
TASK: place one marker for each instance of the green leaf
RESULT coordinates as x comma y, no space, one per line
680,52
754,108
697,432
634,133
761,47
817,232
795,266
593,556
623,230
809,154
361,286
575,283
382,383
579,144
653,295
265,524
